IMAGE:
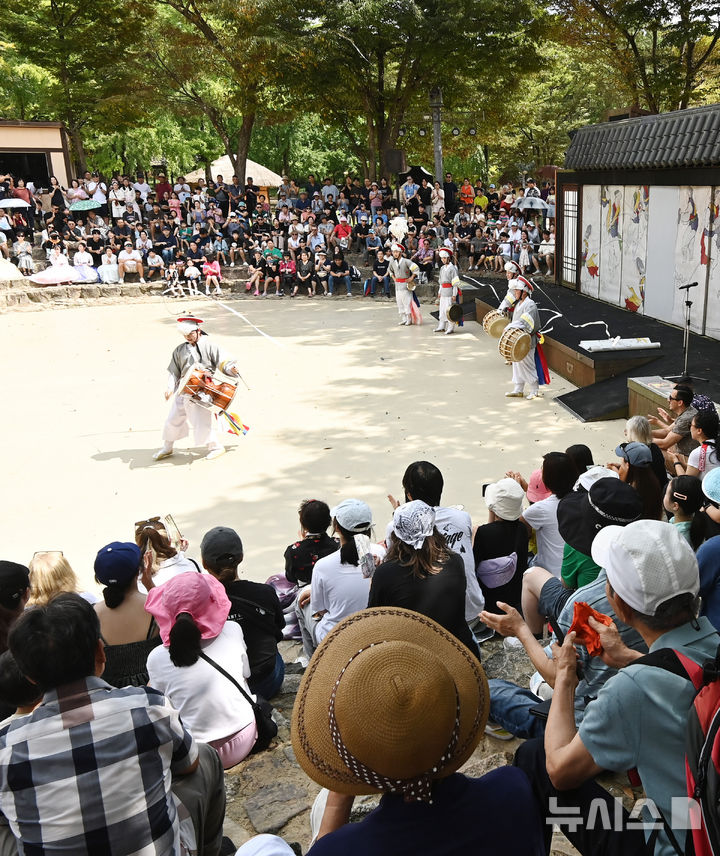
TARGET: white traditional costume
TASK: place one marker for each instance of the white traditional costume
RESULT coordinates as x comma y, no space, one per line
403,271
526,317
449,287
185,412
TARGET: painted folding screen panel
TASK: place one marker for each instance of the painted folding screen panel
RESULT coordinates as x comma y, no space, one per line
611,206
636,207
662,236
710,259
590,252
693,205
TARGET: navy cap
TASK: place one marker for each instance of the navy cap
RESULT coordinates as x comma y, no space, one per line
117,563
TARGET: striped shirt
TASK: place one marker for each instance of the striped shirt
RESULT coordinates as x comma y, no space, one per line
89,772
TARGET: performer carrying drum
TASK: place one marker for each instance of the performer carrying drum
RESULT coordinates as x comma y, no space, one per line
525,317
449,286
185,412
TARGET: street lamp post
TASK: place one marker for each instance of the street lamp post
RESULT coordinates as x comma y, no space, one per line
436,103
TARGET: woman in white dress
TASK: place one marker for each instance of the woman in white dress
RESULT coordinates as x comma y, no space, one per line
58,272
437,198
117,200
83,264
108,269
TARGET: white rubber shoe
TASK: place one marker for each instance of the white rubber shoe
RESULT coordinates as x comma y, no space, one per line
214,453
162,453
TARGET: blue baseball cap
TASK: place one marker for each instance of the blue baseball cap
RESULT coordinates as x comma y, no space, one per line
117,563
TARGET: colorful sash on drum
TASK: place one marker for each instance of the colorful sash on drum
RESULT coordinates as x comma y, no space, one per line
415,313
234,423
541,366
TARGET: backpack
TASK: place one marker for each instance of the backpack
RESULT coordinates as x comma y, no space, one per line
702,747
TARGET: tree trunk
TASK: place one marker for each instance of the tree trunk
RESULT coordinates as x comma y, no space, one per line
78,149
239,157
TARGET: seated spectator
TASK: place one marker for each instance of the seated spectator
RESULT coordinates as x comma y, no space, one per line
702,459
635,470
14,595
420,572
192,276
288,270
254,606
321,275
545,253
272,275
108,270
558,477
130,261
165,557
315,543
197,641
173,281
581,515
16,691
22,250
672,434
581,456
339,273
683,503
340,581
423,480
136,751
51,574
304,271
639,718
637,430
380,274
405,744
220,249
500,547
125,631
257,272
212,274
155,265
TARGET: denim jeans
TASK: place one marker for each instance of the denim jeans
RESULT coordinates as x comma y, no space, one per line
345,279
510,707
385,282
270,685
168,255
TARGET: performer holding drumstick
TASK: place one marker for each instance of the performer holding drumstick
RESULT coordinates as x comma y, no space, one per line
526,317
184,412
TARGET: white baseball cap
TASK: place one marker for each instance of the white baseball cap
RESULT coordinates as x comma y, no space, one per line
593,474
353,515
647,563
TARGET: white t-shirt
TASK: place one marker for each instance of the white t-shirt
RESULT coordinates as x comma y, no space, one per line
339,589
456,526
129,256
542,516
144,189
711,460
211,706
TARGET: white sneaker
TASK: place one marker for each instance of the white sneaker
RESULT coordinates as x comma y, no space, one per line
162,453
438,330
448,332
401,322
540,687
407,323
532,395
492,729
142,280
214,453
512,643
232,264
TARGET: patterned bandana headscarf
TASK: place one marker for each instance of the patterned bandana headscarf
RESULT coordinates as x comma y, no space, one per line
414,522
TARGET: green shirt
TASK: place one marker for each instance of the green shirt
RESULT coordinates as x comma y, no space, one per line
577,569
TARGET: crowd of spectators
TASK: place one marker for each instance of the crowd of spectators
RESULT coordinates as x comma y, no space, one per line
174,646
187,234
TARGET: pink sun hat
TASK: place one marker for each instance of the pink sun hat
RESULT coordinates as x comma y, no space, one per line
200,595
536,487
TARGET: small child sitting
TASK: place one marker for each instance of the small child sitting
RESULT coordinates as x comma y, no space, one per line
172,279
192,277
314,542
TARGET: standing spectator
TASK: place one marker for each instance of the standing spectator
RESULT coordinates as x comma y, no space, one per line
251,195
75,193
531,188
96,189
142,187
409,198
163,188
437,199
116,197
450,189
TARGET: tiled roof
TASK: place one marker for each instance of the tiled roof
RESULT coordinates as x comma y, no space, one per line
684,138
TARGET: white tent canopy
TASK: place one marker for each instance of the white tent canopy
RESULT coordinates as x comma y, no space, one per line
261,176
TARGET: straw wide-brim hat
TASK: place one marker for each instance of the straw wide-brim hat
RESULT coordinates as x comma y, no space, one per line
409,701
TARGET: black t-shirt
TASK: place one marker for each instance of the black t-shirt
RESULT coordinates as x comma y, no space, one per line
439,596
425,194
497,539
96,248
450,189
362,230
256,608
380,268
301,556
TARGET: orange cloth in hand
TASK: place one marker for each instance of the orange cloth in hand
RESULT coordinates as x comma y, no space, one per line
584,634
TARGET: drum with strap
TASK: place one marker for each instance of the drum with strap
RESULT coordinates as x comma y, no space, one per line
494,323
514,344
455,313
204,390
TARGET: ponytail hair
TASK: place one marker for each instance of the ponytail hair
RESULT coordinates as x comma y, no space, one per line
184,641
114,595
687,492
348,547
153,537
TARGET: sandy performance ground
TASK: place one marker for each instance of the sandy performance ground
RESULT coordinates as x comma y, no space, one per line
341,399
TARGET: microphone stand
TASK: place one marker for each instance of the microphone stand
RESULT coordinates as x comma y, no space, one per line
685,376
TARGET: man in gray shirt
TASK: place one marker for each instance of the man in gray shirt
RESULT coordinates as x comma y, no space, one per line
674,436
